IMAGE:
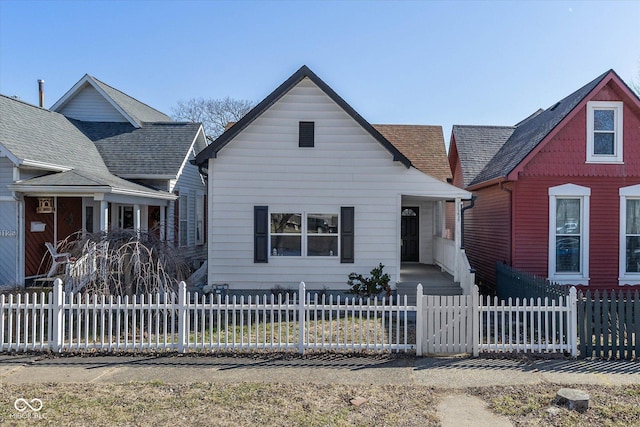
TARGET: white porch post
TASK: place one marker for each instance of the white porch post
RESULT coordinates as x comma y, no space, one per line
457,240
163,210
104,216
136,218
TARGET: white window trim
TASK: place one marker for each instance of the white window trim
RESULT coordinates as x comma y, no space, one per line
624,278
617,107
304,235
584,194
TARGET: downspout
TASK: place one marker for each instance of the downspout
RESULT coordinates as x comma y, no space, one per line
464,208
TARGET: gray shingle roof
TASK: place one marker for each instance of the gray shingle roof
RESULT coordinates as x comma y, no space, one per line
138,111
153,149
530,132
34,134
477,145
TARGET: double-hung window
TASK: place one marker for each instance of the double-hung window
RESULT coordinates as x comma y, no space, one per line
569,234
604,132
629,265
304,234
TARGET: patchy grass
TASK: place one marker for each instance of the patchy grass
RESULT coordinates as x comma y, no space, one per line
534,405
247,404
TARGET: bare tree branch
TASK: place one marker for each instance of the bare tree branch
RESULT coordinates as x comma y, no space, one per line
214,114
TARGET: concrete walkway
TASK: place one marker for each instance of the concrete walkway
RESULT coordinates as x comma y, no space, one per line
449,374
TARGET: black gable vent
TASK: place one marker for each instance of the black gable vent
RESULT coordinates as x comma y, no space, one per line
306,134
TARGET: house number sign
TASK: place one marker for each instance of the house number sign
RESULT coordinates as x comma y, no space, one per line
8,233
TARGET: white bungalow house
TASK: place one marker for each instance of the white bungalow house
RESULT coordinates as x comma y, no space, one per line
98,160
304,189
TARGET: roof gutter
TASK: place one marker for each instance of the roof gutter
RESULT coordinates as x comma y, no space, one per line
44,165
489,183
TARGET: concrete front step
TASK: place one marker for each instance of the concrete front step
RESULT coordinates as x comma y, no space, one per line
409,289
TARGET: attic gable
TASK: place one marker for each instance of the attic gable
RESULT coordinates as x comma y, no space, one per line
92,100
303,73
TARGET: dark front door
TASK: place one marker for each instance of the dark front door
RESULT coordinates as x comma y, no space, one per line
409,234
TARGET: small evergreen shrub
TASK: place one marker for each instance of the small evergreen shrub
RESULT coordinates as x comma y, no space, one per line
376,283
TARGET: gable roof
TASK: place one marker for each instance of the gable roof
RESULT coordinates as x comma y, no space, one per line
423,145
157,149
304,72
532,131
477,145
38,137
134,111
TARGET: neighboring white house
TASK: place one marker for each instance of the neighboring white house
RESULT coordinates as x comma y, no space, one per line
304,189
98,160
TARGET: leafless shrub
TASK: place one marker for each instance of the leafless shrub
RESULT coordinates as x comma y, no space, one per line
122,262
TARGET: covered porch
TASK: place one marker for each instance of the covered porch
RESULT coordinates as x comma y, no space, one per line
430,249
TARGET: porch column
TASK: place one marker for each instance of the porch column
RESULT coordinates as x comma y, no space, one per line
137,216
104,216
162,222
457,240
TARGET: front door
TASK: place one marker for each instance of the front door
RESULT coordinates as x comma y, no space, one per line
409,234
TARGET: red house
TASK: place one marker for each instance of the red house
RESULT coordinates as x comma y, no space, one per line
558,194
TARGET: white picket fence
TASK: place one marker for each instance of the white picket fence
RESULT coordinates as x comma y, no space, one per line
66,322
61,322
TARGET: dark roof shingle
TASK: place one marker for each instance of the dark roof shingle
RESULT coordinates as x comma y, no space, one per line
531,132
153,149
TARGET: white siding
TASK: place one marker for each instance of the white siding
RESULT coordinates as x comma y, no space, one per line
190,182
89,105
347,167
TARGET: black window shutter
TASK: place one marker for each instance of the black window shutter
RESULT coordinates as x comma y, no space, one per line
261,234
347,228
306,134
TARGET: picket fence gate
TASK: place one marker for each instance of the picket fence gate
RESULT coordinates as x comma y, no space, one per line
183,322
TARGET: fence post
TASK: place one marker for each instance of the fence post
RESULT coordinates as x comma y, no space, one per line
182,316
419,320
57,316
573,320
475,320
301,316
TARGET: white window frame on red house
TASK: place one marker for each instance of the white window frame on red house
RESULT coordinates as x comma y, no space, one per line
631,192
582,194
616,107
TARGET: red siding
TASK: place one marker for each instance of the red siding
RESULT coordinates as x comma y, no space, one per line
531,226
486,233
562,161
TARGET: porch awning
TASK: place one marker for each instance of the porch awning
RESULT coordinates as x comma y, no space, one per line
98,185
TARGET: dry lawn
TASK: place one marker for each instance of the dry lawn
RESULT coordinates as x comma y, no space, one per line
248,404
245,404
